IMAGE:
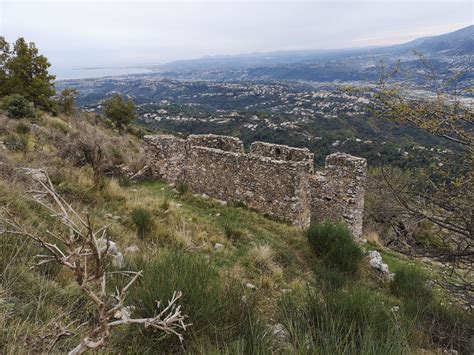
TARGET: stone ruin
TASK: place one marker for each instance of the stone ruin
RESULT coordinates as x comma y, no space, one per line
277,180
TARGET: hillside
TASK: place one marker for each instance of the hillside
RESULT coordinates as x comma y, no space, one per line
250,284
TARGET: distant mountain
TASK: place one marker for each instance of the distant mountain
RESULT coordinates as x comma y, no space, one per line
449,53
460,42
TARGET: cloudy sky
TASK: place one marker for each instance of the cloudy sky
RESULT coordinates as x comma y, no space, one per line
117,33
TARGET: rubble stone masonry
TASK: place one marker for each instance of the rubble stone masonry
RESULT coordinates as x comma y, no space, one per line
274,179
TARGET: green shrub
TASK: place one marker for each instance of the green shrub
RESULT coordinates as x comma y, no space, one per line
444,325
214,308
15,142
331,279
22,128
143,221
182,188
334,242
233,233
60,126
18,106
410,283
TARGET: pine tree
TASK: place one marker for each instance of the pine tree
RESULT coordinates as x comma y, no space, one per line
24,71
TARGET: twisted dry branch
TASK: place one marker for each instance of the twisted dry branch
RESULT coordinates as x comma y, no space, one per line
86,251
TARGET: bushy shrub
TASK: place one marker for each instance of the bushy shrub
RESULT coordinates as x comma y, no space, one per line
182,188
22,128
334,242
143,221
410,283
17,106
15,142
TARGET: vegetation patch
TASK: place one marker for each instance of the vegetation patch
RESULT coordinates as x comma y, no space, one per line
335,244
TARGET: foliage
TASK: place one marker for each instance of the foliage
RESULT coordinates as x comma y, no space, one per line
143,222
120,111
15,142
67,101
420,301
443,195
411,282
18,106
334,242
24,71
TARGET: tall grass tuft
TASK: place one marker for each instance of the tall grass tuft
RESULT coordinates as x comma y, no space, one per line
444,325
214,306
334,242
355,322
142,219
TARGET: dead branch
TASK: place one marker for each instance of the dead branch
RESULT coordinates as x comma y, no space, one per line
87,252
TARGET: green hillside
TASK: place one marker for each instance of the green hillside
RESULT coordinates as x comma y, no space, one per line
250,285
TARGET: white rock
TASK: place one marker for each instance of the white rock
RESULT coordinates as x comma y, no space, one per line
218,246
250,286
376,262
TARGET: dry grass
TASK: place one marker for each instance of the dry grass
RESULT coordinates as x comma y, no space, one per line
262,259
373,238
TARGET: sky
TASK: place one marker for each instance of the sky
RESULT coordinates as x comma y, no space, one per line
78,34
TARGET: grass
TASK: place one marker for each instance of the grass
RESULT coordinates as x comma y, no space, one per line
143,221
353,321
335,244
304,281
214,307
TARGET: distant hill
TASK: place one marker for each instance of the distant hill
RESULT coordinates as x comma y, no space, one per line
449,52
460,42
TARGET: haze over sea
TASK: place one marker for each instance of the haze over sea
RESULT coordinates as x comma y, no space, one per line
82,73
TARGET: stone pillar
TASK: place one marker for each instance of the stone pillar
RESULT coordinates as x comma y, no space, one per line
338,192
166,155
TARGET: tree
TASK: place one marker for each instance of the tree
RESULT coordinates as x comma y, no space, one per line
120,111
4,56
442,195
24,71
67,101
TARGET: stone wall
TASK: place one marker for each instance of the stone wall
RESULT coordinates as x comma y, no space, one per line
229,144
275,179
283,152
337,192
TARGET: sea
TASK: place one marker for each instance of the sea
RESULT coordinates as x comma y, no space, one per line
84,73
